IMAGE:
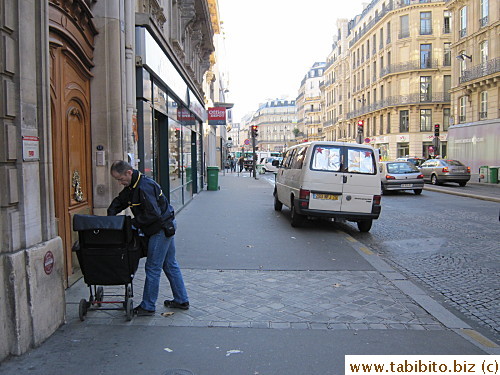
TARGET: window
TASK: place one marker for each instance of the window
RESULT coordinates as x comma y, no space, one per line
447,22
425,56
404,121
484,13
483,51
447,54
425,23
326,158
462,64
388,130
360,161
298,159
483,105
388,28
425,120
381,38
425,89
447,87
463,22
446,118
381,129
404,29
287,159
462,109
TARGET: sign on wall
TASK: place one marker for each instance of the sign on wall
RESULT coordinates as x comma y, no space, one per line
31,148
217,116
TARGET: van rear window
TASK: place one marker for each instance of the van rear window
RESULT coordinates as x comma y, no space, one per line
326,158
360,161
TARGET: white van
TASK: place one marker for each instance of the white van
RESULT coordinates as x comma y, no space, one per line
329,179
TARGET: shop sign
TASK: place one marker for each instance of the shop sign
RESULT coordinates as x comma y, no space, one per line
31,148
217,116
403,138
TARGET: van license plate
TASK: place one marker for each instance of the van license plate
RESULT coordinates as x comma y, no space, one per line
406,185
326,196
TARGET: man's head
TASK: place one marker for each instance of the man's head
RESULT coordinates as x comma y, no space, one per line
122,172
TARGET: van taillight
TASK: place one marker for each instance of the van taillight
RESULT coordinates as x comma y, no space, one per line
304,198
377,199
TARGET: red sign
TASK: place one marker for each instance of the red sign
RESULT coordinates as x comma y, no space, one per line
247,141
217,116
185,117
48,262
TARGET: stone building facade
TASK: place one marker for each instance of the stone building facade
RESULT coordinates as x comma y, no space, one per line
84,83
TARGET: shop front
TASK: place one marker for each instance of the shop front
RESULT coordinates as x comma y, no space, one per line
169,124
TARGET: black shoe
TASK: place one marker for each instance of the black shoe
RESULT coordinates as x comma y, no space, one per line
176,305
139,311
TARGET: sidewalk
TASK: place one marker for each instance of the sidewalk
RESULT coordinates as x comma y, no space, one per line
266,298
484,191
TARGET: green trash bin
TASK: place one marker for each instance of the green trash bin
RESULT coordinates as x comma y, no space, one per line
213,178
494,175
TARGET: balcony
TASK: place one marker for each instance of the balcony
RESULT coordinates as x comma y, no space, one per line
481,70
483,21
411,99
483,115
408,66
463,32
446,29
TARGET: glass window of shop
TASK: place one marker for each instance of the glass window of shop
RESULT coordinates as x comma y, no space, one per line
403,149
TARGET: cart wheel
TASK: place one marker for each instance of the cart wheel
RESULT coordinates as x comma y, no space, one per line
99,296
130,309
91,301
129,291
82,309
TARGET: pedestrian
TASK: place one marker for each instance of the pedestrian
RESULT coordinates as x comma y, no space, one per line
233,165
155,217
241,161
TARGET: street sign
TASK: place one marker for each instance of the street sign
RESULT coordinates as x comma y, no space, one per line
247,141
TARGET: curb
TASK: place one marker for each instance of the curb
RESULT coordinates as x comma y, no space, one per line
468,195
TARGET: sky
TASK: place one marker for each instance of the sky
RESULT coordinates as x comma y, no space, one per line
269,45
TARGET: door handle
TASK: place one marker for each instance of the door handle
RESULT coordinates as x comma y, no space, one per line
344,179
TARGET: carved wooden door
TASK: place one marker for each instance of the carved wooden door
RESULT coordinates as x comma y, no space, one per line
70,103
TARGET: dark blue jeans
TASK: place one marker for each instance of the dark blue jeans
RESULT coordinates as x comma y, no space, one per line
161,255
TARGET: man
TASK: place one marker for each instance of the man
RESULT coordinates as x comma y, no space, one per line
155,217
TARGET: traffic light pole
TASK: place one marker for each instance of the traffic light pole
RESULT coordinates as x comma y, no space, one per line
254,167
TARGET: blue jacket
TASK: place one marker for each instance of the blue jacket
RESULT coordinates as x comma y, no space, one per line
148,204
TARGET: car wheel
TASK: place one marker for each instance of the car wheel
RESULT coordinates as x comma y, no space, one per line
434,180
462,184
383,191
365,225
296,219
417,191
277,204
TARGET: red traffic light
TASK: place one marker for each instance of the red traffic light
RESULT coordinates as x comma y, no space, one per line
361,123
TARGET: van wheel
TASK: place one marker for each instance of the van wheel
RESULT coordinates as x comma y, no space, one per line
462,184
277,204
417,191
297,219
365,225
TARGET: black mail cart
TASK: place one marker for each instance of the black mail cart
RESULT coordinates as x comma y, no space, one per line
109,254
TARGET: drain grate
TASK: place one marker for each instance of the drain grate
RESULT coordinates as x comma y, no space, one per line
178,371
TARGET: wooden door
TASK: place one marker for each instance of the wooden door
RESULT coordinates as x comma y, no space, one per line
70,103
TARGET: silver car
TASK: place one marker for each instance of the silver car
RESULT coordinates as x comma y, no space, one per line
400,175
437,171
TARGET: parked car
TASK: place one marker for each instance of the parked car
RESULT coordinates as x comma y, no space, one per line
400,175
415,161
330,180
437,171
269,166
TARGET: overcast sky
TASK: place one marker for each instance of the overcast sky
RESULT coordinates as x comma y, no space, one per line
271,44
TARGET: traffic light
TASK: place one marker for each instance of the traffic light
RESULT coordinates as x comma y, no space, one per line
436,130
255,131
361,124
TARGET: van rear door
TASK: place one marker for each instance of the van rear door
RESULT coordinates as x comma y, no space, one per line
361,179
324,178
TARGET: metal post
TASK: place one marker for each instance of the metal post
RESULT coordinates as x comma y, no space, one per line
254,157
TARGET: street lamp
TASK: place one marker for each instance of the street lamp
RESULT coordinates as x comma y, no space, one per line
462,57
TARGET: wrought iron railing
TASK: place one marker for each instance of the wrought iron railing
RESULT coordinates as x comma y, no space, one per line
481,70
408,66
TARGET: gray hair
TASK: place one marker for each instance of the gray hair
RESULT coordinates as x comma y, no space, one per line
120,167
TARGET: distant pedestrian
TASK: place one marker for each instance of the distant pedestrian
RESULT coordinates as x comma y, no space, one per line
241,162
155,217
233,165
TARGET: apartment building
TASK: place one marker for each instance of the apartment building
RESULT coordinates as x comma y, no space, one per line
276,120
475,134
308,102
336,89
400,60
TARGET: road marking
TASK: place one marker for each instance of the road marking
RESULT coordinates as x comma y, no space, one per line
479,338
350,239
365,250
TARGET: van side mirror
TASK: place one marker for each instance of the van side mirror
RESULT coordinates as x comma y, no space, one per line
275,163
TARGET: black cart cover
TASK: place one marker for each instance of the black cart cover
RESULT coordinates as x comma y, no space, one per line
90,222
